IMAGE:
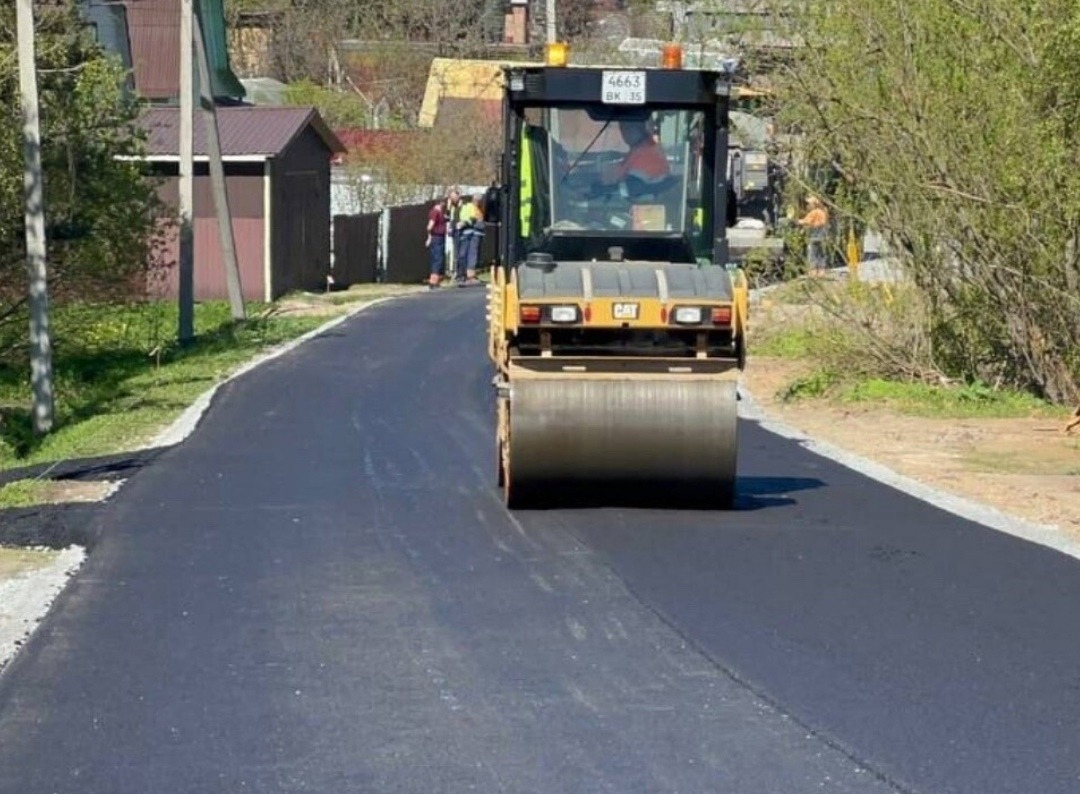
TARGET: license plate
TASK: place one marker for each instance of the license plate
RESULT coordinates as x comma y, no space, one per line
623,88
625,311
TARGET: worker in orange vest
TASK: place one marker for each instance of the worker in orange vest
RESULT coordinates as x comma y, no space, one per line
816,222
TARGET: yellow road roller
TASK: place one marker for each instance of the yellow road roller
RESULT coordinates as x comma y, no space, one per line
616,325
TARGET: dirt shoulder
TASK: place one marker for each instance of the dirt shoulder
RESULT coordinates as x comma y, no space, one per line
1025,467
29,581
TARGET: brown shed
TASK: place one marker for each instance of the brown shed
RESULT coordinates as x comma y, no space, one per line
277,175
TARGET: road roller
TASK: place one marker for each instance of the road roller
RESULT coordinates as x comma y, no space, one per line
616,323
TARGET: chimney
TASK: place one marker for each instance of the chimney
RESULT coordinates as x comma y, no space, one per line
517,23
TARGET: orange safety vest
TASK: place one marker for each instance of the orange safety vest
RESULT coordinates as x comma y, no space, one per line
646,162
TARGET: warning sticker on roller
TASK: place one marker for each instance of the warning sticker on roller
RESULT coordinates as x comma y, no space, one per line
625,311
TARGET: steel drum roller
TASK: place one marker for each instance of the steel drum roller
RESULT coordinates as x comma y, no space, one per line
645,432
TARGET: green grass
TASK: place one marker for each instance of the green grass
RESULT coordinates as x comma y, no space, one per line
843,368
120,377
920,399
957,402
791,342
24,493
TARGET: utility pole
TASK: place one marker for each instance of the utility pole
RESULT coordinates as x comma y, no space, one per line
186,263
549,21
217,179
41,375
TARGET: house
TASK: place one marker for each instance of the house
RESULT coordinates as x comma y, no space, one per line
277,173
145,35
457,82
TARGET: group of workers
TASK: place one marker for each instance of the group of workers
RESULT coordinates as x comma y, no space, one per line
455,232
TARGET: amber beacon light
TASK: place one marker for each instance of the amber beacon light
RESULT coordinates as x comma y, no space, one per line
557,53
671,56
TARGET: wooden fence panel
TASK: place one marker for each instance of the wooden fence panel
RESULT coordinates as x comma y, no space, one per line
356,249
407,257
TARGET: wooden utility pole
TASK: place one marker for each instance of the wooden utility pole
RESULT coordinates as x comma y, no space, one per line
186,263
217,179
41,375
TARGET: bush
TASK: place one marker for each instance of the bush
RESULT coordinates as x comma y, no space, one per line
954,130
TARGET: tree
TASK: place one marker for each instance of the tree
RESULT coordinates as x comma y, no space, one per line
308,34
952,128
101,212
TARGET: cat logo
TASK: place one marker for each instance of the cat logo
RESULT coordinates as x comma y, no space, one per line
624,311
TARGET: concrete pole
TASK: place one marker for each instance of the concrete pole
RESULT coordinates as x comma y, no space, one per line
549,21
41,375
186,263
217,179
384,245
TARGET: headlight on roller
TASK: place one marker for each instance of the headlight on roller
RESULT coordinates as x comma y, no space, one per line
687,315
564,314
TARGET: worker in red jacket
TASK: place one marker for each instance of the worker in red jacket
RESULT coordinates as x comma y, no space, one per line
644,165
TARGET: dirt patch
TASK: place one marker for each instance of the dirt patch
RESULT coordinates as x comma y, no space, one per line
331,304
18,562
1026,467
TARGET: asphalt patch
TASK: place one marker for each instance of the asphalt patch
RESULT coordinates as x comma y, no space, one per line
106,467
56,526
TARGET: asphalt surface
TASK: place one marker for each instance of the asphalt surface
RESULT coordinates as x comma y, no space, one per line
320,592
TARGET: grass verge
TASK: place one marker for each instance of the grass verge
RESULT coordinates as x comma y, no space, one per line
25,493
120,377
857,343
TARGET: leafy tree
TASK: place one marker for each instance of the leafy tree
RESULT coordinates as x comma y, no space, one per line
951,127
338,108
101,213
308,34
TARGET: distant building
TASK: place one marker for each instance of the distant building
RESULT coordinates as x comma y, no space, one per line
150,45
738,26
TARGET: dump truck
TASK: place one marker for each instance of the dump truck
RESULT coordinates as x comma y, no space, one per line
616,326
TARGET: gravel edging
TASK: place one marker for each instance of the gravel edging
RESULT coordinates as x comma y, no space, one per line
1043,534
26,599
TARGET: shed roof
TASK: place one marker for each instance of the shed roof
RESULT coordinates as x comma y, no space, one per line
264,132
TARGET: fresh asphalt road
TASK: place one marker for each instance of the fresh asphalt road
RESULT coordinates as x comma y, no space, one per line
320,591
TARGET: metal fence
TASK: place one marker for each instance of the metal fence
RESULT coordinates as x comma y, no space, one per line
389,246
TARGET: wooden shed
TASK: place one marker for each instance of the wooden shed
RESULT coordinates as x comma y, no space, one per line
277,173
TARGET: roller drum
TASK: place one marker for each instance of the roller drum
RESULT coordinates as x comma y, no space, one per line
642,436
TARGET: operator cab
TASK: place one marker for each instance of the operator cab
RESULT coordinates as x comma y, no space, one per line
642,169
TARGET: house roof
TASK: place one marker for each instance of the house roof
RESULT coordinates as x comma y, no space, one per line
452,110
461,78
263,132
